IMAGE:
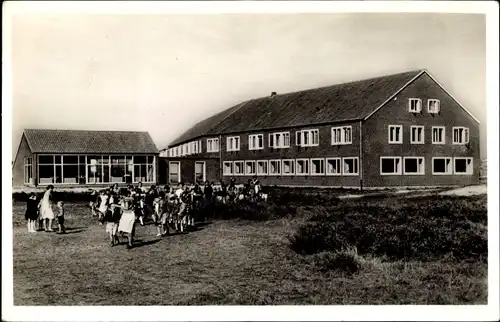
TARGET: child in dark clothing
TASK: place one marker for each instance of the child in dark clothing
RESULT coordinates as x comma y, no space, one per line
31,214
112,220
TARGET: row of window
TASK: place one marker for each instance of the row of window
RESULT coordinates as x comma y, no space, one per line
309,138
415,105
314,166
416,165
88,169
460,134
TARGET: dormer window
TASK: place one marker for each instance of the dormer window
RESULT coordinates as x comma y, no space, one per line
433,106
415,105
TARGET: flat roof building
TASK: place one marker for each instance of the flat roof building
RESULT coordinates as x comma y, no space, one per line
84,158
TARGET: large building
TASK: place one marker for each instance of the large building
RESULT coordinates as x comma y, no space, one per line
84,158
397,130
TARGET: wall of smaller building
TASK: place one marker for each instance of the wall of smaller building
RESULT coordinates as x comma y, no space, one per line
187,169
18,166
395,112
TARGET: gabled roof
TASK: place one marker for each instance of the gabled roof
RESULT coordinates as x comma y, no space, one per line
73,141
343,102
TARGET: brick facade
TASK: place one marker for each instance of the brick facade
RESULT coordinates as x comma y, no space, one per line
375,137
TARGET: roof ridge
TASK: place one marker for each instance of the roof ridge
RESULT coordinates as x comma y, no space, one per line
416,71
79,130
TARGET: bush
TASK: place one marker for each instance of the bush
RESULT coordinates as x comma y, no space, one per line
344,261
427,230
248,210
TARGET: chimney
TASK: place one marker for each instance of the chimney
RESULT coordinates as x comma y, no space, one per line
273,94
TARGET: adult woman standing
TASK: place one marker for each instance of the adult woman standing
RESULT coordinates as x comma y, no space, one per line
46,212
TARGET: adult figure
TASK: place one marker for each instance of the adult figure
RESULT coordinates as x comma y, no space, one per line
46,211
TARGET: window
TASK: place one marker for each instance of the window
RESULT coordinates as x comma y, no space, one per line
433,106
279,140
414,165
351,166
302,166
395,134
438,135
227,168
262,167
342,135
250,167
28,170
256,142
174,172
199,171
89,169
390,165
317,166
460,135
415,105
288,167
307,138
275,167
441,165
238,168
417,134
333,167
144,169
233,143
463,166
212,145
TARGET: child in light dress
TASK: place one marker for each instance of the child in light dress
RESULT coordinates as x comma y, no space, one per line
103,206
127,221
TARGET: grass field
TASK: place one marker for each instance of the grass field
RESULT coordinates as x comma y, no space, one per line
246,262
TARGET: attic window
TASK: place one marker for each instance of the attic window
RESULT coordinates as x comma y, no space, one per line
433,106
415,105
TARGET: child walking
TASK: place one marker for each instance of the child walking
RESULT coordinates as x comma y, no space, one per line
127,222
60,217
113,219
160,213
31,214
103,206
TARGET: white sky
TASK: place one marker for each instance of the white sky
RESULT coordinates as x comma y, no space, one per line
164,73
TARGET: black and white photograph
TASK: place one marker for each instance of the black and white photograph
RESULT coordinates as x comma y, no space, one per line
222,160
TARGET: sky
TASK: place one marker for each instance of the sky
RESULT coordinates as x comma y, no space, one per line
164,73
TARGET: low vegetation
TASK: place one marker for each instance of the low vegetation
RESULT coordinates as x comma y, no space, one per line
300,247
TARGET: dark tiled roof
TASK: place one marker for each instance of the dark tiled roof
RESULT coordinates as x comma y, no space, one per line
70,141
337,103
203,127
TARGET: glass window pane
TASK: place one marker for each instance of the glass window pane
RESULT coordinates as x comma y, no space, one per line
70,159
106,175
82,159
58,174
118,172
139,159
117,159
57,159
46,174
46,159
70,173
151,159
82,178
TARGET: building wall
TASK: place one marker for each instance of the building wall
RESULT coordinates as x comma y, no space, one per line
187,165
375,137
324,150
18,166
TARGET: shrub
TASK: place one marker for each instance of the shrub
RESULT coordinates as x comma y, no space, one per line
427,230
345,261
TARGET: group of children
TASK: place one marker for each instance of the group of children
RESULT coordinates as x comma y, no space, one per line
119,209
42,213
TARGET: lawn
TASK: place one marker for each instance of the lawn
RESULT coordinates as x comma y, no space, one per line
233,261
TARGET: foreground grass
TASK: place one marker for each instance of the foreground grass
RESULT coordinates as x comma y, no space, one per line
224,262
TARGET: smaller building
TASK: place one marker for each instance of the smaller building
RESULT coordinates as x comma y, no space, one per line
84,158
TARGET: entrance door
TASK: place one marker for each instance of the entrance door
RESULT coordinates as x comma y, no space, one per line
199,172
